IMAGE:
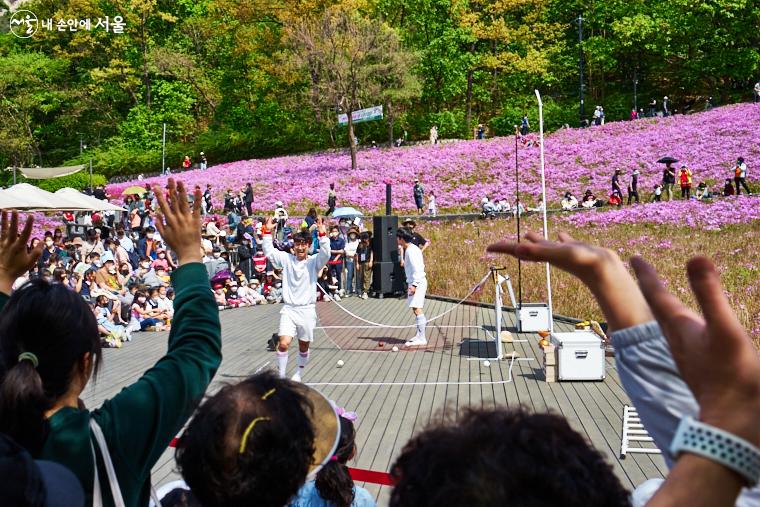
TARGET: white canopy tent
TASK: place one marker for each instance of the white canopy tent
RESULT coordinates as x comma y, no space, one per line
26,197
87,200
43,173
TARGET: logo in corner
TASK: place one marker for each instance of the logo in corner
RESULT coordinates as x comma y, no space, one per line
24,24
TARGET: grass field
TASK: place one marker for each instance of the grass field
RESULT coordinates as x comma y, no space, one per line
456,261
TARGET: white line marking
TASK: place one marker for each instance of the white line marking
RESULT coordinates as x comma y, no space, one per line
417,384
261,367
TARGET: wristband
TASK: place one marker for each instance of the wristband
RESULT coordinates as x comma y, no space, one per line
321,234
718,445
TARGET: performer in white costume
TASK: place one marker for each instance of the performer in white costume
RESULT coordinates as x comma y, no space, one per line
300,271
414,268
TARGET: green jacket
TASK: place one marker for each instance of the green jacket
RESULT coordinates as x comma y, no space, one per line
140,421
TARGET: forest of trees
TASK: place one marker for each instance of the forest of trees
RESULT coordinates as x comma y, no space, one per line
240,79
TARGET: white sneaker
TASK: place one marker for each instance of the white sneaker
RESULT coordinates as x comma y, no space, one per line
296,376
417,341
365,296
336,297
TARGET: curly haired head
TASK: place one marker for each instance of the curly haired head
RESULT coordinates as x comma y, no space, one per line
249,444
504,457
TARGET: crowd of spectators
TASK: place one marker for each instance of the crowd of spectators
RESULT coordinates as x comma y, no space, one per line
273,442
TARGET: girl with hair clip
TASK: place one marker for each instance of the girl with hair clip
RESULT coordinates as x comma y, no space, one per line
50,350
333,486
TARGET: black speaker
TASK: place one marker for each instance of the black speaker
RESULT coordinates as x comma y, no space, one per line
384,243
387,278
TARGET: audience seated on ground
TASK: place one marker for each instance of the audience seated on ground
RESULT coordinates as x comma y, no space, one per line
50,348
569,202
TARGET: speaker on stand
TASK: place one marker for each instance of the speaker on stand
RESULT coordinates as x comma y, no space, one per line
387,275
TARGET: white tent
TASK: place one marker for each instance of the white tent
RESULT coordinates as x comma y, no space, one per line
26,197
86,200
43,173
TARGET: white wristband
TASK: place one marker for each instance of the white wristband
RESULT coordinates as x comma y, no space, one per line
717,445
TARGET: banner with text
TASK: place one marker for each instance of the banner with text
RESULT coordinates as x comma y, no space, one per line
362,115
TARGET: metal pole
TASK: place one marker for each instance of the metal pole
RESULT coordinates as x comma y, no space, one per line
543,200
90,175
163,151
580,63
14,174
517,211
635,82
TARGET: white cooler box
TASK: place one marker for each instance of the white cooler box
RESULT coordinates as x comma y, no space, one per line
580,355
533,317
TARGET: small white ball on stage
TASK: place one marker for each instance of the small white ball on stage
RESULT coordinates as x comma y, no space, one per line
394,349
340,363
487,363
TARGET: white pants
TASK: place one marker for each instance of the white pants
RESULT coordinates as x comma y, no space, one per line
418,299
298,322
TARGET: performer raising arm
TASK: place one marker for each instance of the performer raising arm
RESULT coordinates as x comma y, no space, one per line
298,316
414,268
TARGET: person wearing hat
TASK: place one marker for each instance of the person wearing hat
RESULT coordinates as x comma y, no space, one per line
245,252
418,192
740,176
617,189
204,161
417,238
106,277
300,272
256,443
633,186
281,218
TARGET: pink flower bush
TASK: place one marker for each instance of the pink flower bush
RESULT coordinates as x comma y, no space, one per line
461,173
708,216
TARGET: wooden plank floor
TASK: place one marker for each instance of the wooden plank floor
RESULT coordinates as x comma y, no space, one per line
396,394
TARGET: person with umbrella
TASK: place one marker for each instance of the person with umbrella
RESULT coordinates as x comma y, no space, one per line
668,175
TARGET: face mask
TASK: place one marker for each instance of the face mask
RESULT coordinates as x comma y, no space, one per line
48,244
278,285
124,272
352,237
141,300
145,265
149,235
333,234
97,263
217,255
161,256
112,271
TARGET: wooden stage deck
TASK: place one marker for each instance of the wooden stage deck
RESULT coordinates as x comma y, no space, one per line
396,394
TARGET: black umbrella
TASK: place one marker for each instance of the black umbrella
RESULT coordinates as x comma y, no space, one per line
667,160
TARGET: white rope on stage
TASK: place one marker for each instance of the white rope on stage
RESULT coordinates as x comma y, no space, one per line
410,326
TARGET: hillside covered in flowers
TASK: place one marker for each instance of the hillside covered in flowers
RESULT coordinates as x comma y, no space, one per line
461,173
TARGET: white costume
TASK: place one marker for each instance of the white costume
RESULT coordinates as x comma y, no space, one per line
298,316
299,287
414,268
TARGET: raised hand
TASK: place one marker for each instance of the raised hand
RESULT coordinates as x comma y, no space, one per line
178,224
714,354
600,269
321,226
15,258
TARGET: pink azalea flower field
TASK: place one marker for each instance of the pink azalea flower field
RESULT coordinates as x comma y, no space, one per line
461,173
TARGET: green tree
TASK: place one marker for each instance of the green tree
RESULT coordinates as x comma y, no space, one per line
347,62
